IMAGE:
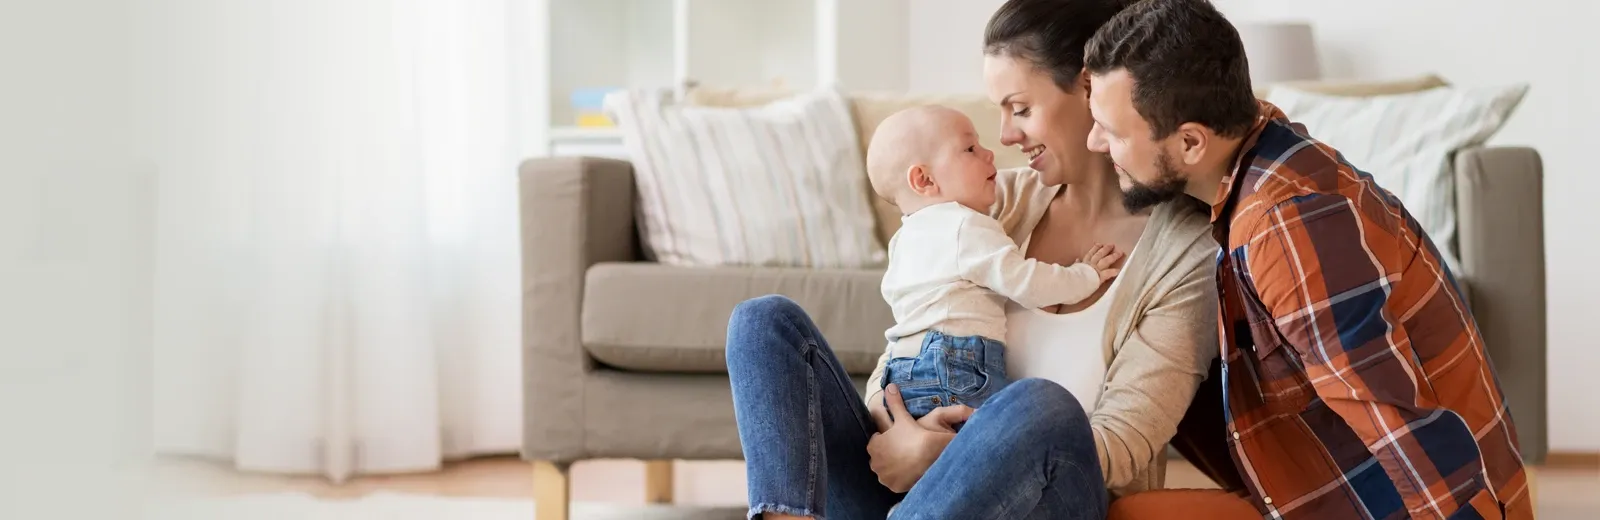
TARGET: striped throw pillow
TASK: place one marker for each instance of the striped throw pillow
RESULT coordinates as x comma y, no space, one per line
1407,141
777,185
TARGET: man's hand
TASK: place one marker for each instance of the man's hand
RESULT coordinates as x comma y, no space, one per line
904,451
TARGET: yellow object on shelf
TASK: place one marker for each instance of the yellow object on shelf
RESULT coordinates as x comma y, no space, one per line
594,120
589,106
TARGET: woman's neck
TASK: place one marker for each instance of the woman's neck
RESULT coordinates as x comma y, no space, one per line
1096,195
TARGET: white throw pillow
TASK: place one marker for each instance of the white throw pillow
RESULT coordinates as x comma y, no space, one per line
776,185
1407,142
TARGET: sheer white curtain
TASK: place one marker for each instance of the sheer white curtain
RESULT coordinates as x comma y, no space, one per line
337,288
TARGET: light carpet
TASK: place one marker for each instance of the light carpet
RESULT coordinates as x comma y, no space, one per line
400,506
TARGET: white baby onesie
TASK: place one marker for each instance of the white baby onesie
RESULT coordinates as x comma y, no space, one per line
951,269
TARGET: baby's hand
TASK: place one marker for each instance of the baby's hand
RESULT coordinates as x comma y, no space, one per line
1102,257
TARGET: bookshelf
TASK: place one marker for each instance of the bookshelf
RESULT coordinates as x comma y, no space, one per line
590,46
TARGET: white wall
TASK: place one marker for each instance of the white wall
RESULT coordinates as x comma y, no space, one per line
947,44
1470,42
871,52
74,264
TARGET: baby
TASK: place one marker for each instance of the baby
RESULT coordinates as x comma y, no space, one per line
951,266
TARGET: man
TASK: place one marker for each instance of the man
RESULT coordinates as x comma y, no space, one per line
1354,379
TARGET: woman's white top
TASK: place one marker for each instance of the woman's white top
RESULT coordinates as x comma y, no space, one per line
1067,349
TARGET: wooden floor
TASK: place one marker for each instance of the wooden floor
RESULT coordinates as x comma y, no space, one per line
1561,493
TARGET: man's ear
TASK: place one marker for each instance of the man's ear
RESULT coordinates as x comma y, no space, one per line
920,180
1083,81
1193,140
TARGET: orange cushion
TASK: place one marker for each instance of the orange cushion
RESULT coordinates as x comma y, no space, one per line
1195,504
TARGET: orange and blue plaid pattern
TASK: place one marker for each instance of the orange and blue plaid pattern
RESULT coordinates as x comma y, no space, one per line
1356,382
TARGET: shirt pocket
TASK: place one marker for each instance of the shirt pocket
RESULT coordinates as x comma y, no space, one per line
1280,371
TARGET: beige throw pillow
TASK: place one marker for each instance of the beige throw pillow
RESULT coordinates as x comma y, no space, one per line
773,185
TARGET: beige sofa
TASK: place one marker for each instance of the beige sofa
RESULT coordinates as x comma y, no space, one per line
623,358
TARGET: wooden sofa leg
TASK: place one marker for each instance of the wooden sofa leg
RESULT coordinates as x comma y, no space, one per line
658,481
552,490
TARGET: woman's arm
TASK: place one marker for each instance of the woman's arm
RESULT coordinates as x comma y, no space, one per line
1154,375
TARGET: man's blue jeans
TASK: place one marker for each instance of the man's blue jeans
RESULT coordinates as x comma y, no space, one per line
1027,453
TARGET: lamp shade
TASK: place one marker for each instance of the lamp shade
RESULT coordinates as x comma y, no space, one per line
1280,51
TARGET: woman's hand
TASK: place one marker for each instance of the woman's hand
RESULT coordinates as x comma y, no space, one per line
945,418
879,413
942,419
904,451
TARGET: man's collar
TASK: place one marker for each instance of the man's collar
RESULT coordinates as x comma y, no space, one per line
1267,112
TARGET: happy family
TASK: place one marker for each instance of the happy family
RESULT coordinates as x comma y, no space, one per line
1179,264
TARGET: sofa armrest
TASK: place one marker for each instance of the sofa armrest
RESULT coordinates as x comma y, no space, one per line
575,212
1500,214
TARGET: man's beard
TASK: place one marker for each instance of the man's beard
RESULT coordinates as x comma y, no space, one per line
1168,186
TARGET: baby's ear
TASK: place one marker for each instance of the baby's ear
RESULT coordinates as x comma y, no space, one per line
920,181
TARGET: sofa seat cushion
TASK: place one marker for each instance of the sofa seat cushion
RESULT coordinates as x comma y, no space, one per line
656,318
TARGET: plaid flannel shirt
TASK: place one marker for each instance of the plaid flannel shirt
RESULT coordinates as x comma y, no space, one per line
1356,382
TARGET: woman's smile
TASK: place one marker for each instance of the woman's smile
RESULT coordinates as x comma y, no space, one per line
1034,154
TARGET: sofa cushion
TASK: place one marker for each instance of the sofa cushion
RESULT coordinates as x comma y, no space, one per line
656,318
1358,87
778,184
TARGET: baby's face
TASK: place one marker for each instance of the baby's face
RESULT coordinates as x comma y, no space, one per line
962,169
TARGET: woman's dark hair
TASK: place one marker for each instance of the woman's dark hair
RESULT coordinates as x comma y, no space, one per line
1049,34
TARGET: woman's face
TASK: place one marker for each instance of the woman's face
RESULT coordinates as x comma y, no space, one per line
1049,124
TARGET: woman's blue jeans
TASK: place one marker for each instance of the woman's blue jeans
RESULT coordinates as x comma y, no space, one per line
1028,452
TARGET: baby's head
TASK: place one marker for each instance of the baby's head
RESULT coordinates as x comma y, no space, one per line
928,155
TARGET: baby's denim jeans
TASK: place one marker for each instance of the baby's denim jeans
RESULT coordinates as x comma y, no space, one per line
949,370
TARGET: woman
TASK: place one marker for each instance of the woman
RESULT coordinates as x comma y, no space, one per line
815,448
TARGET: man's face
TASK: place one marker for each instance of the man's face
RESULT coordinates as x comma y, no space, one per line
1145,167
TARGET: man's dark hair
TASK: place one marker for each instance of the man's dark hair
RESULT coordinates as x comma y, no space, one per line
1187,63
1049,34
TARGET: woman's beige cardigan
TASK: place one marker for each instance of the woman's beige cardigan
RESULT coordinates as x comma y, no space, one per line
1161,334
